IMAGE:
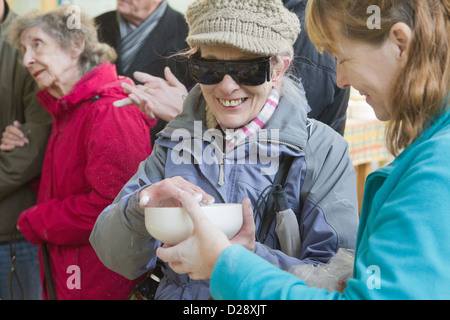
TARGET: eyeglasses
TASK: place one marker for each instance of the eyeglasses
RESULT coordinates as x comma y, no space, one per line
245,72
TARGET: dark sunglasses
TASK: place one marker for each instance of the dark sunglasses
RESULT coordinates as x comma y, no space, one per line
245,72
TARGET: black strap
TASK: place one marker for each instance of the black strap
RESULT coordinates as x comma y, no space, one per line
275,198
13,257
146,289
48,273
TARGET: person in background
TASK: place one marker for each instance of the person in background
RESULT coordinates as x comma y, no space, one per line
20,114
146,34
93,150
238,127
317,72
327,102
402,252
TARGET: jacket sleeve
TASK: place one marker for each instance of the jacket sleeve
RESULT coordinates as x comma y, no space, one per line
328,218
119,236
22,164
240,275
110,162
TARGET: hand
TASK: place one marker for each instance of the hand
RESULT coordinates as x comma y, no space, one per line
166,193
246,236
13,137
198,254
341,285
157,97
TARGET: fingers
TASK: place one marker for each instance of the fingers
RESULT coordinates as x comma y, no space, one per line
168,193
139,96
246,236
192,207
248,217
143,77
123,103
168,254
172,80
13,137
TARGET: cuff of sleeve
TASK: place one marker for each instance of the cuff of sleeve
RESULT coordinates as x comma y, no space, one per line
230,270
25,227
136,214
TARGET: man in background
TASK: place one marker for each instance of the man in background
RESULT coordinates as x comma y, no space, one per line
145,34
317,72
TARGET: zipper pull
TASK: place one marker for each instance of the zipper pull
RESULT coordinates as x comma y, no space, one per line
221,181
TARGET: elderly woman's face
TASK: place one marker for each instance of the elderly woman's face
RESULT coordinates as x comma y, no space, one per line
232,104
54,68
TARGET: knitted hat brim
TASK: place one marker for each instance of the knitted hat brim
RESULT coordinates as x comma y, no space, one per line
250,44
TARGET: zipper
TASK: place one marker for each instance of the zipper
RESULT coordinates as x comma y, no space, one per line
221,179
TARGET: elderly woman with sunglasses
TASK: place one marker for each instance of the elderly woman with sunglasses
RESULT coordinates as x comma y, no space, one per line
244,120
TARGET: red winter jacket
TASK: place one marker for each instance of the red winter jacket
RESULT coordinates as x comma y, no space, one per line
94,149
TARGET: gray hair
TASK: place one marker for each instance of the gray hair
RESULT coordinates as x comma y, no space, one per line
59,24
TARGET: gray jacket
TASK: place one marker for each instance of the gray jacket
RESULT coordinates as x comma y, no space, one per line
321,190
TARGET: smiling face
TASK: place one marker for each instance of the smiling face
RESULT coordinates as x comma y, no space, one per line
54,68
232,104
371,69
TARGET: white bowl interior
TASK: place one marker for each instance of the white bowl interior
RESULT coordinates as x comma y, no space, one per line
172,225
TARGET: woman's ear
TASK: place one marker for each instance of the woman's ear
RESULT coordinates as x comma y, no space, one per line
78,47
401,36
279,69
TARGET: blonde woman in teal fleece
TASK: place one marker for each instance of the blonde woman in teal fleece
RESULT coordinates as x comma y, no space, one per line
396,53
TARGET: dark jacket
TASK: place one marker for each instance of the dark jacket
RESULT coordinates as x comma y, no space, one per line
167,38
22,165
318,74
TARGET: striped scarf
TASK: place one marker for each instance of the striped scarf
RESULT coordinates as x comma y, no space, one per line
131,40
236,136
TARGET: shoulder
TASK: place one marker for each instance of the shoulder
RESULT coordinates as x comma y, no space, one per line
323,137
107,27
175,19
106,18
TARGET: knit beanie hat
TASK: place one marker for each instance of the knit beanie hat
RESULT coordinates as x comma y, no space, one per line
262,27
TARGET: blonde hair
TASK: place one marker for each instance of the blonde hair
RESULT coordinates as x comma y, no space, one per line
57,24
422,88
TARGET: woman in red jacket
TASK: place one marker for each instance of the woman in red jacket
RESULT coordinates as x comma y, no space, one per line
94,149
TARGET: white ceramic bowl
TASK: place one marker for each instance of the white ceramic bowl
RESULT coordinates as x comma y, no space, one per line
171,225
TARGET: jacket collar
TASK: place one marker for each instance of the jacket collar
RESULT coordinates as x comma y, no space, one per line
96,82
288,124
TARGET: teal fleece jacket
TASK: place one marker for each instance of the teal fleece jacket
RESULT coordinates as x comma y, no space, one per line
403,243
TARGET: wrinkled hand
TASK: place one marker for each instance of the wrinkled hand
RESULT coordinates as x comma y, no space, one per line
197,254
166,193
157,97
13,137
